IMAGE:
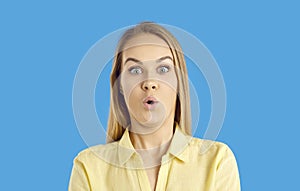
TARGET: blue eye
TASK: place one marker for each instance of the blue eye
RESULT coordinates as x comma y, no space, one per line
163,69
135,70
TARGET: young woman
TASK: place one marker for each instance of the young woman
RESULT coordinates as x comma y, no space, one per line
149,143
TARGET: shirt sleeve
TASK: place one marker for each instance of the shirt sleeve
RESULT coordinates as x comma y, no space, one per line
79,179
227,173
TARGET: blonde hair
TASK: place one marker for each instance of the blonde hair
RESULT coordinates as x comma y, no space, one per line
119,116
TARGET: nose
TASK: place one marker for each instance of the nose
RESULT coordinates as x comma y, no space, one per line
149,85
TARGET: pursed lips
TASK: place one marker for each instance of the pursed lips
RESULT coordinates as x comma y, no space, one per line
150,102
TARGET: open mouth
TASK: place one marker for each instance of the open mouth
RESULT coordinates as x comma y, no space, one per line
150,102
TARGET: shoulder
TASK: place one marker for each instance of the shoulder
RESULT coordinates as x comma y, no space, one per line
97,152
216,160
215,149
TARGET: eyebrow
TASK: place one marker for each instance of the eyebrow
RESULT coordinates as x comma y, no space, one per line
164,58
140,62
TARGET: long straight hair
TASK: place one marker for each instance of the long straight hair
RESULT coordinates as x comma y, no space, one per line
118,115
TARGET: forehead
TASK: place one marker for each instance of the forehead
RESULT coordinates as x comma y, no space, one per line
146,47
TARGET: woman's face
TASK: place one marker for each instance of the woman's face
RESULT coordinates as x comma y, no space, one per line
148,81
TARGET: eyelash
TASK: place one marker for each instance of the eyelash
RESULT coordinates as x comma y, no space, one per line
136,68
163,66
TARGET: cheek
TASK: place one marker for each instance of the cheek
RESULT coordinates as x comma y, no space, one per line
130,85
131,90
170,82
168,99
170,94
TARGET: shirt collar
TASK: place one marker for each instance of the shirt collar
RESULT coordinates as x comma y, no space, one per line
177,147
125,148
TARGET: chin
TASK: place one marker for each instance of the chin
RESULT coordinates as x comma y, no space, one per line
146,127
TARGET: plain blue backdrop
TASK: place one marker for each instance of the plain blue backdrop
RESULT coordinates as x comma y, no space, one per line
256,44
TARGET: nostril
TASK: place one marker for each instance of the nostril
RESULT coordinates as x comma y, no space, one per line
149,86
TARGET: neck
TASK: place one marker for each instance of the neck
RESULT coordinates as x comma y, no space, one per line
161,136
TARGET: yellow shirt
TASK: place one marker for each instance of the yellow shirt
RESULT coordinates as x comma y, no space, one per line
189,164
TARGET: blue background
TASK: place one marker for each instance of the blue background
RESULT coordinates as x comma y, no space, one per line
256,44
